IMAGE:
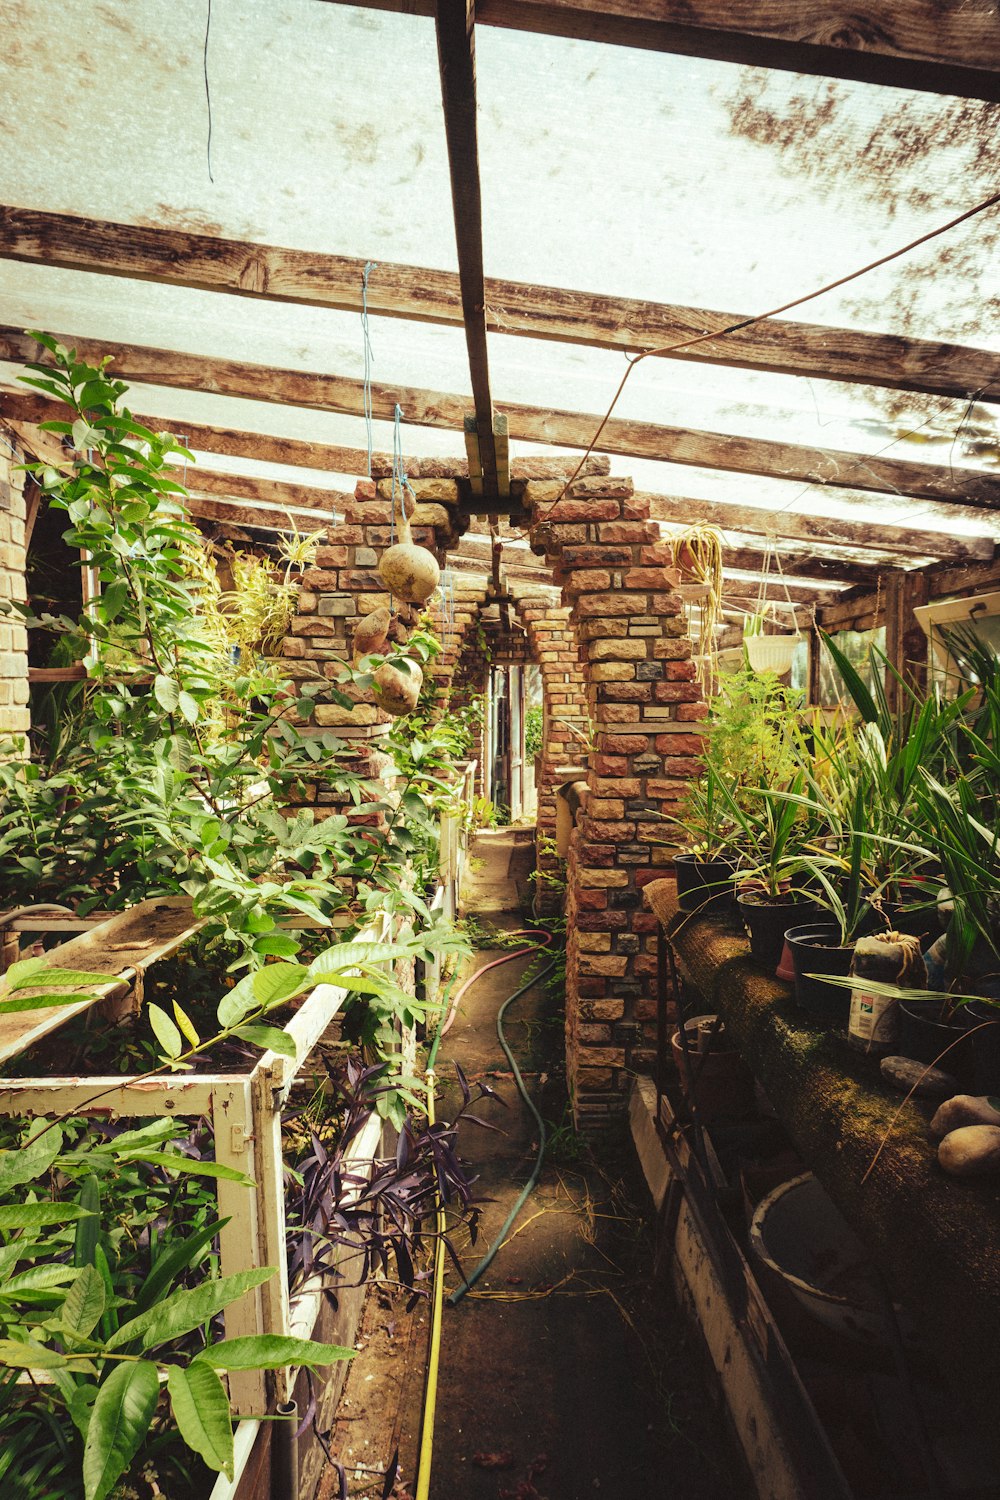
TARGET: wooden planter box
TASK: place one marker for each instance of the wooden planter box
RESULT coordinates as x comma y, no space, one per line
244,1110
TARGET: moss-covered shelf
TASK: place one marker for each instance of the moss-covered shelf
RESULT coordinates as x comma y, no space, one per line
935,1238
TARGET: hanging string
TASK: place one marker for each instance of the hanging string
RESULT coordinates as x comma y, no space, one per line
208,91
399,479
370,266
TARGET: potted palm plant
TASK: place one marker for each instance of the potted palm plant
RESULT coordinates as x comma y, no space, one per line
705,871
771,897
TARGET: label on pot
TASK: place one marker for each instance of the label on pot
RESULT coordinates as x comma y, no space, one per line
874,1019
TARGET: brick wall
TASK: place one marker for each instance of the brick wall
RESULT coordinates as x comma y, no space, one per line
14,717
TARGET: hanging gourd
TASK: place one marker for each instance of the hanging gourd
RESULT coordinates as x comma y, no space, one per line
409,572
396,689
371,632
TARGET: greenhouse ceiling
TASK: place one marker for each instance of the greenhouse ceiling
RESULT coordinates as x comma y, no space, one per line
623,171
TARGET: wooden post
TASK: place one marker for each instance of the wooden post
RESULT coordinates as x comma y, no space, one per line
905,642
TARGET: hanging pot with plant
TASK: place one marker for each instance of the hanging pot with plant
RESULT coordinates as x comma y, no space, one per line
770,652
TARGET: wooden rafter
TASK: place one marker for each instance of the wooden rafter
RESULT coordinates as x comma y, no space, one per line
748,589
754,529
824,467
455,22
820,530
175,258
915,44
785,525
229,512
275,492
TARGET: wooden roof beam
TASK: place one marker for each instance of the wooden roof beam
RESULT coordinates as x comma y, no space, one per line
239,268
744,519
455,24
919,44
820,530
564,429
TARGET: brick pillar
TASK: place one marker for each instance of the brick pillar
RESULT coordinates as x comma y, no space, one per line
15,719
644,706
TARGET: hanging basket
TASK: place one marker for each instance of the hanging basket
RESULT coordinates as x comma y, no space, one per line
771,653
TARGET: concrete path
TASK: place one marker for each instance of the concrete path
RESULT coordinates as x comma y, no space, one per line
566,1373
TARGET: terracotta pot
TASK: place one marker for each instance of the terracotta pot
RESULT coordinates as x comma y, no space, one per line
718,1080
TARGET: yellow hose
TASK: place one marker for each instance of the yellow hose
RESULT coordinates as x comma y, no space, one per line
434,1358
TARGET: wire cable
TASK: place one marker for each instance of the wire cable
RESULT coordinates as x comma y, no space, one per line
774,312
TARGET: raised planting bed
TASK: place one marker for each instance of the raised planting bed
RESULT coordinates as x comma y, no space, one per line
936,1239
241,1098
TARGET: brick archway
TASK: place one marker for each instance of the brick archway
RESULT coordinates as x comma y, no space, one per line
613,644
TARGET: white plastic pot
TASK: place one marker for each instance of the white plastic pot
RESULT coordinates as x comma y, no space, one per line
771,653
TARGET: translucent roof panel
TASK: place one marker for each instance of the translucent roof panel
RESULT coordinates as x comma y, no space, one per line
604,169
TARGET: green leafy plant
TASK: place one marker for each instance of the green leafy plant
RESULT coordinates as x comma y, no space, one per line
534,720
103,1338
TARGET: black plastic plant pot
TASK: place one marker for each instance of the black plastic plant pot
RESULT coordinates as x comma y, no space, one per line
703,885
767,919
924,1036
985,1041
815,950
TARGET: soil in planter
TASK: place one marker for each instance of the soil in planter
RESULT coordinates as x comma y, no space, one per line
87,1045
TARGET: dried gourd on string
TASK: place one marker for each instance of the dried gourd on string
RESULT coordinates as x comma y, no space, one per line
409,572
697,554
396,687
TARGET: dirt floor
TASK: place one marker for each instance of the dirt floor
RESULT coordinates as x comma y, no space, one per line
567,1372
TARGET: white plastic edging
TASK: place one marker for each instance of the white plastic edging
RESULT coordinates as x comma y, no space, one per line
246,1436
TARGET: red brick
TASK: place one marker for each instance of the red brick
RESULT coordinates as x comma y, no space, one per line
622,786
677,692
646,578
624,744
612,604
620,487
680,744
591,900
587,581
680,765
602,921
584,510
610,765
636,532
628,692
